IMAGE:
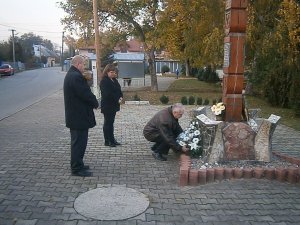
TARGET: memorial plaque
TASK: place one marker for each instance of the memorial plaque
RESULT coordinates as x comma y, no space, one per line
226,55
234,53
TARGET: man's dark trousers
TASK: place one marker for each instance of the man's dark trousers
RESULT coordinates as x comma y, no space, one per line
79,139
161,146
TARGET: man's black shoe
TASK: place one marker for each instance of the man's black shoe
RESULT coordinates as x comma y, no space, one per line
86,167
117,143
106,143
82,173
158,156
153,148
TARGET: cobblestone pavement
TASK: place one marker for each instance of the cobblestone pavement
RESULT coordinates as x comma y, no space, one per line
36,187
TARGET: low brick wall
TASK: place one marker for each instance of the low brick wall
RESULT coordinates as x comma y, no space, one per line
194,177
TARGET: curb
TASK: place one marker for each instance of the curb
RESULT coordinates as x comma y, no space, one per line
194,177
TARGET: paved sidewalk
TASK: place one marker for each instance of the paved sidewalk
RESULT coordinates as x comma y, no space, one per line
36,187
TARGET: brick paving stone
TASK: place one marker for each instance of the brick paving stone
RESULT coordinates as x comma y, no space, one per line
41,188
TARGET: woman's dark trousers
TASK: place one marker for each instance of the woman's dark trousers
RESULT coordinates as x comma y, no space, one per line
108,127
79,139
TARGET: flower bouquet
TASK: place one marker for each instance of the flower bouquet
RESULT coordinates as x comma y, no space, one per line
191,138
218,110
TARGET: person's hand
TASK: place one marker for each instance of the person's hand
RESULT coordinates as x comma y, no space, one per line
185,149
120,100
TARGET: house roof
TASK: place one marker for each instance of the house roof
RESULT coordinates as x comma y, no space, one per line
132,45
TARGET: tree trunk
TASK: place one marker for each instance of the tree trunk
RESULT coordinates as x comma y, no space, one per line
152,69
187,68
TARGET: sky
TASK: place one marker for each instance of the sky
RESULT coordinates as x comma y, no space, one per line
41,17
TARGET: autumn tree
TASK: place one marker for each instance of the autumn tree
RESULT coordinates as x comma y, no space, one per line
192,31
135,18
273,50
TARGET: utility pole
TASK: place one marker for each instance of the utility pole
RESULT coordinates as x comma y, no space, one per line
97,77
62,52
13,45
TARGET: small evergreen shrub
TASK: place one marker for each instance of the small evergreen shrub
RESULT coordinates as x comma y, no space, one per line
164,99
191,100
165,69
206,102
136,98
184,100
199,101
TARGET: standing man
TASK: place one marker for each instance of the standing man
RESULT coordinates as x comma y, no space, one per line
163,129
79,114
177,73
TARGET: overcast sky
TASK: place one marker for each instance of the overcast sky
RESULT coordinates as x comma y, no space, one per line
41,17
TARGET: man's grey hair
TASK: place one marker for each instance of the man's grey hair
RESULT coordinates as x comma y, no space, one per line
77,59
178,107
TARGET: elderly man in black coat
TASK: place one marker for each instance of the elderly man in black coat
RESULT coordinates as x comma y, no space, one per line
163,129
79,114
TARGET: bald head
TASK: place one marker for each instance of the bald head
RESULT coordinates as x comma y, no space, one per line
78,62
177,110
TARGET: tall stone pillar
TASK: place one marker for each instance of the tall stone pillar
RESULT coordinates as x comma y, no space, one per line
234,57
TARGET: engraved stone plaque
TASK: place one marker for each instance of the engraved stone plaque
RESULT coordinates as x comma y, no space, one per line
226,54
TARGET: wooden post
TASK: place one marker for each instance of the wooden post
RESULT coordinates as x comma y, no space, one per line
234,57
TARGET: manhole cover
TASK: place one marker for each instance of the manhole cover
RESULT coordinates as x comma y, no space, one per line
111,203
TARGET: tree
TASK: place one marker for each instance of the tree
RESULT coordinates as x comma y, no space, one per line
192,31
135,18
273,45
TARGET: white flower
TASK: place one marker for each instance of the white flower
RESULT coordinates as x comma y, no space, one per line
186,138
193,145
181,143
195,140
196,132
218,108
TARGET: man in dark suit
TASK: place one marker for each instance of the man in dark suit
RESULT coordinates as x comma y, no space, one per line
79,114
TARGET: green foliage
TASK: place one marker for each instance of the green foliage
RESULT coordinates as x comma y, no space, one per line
165,69
208,75
136,97
164,99
184,100
199,101
206,102
191,100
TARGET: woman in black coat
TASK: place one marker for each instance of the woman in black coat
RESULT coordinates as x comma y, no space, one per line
111,97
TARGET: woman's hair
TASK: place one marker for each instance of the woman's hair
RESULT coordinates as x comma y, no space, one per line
108,68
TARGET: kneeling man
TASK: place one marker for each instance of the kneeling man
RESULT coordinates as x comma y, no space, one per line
163,129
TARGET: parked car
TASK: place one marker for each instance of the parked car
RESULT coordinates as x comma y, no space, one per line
7,69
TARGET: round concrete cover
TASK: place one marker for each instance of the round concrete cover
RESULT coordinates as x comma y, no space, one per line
111,203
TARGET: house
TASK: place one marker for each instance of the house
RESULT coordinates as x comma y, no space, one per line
40,50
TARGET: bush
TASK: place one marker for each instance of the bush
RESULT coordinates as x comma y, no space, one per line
191,100
199,101
165,69
214,101
136,98
164,99
184,100
206,102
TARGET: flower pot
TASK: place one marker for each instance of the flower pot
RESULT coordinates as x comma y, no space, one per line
270,173
292,175
193,177
210,175
202,176
228,173
259,172
280,174
219,173
248,173
238,173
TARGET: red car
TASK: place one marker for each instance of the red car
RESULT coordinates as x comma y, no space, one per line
7,69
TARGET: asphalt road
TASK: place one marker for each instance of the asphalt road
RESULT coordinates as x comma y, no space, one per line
23,89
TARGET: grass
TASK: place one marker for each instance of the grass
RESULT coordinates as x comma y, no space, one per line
193,87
